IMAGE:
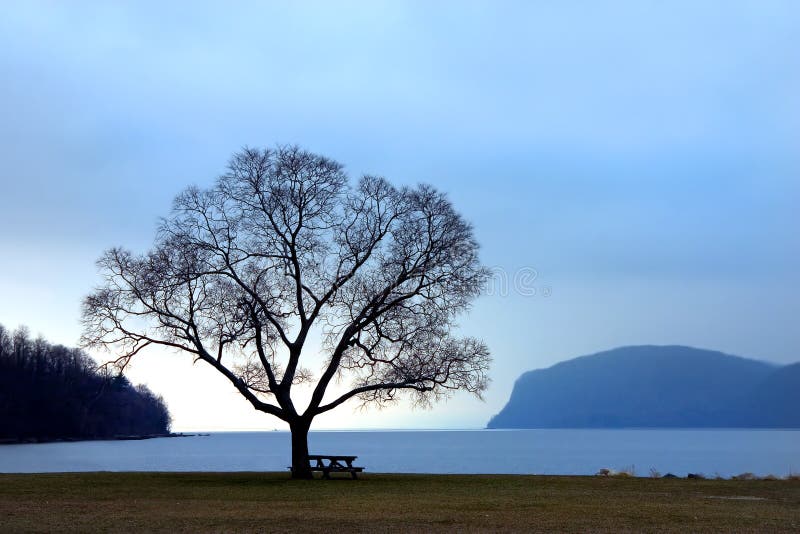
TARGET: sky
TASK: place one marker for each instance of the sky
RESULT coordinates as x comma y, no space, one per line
631,168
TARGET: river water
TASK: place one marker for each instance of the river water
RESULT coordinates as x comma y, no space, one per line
566,452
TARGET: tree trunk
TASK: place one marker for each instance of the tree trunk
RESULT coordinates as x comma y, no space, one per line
300,465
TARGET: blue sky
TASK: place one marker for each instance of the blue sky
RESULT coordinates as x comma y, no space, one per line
641,157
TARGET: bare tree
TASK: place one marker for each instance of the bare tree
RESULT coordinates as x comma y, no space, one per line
283,247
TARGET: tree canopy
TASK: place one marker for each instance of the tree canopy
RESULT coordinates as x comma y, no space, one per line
282,247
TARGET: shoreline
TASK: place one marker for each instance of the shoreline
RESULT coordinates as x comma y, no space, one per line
614,475
134,437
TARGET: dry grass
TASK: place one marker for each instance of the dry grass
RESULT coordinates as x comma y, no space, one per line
266,502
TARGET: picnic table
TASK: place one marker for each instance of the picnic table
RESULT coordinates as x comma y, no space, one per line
328,463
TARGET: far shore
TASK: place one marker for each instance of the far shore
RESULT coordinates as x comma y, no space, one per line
23,441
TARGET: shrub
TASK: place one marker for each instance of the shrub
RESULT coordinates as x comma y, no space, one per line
626,472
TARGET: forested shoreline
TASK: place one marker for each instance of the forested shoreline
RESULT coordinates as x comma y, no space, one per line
51,392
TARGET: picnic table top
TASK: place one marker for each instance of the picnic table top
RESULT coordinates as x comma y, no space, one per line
330,457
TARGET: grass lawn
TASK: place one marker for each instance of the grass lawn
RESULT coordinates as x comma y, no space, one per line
191,502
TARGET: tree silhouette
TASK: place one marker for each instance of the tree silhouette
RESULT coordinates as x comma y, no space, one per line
281,248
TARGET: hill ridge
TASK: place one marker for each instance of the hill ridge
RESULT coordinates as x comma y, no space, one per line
654,386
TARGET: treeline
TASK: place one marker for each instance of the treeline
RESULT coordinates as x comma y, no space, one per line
50,392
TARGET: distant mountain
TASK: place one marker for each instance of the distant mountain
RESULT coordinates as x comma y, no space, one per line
655,386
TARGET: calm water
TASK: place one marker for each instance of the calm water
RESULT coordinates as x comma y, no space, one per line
579,452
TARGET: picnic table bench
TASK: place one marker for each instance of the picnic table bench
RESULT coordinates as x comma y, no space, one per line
328,464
